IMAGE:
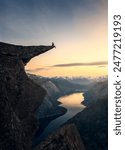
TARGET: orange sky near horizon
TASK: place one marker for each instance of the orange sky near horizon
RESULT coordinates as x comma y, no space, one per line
78,47
79,29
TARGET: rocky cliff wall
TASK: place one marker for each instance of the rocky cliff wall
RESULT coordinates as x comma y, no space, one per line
19,96
65,138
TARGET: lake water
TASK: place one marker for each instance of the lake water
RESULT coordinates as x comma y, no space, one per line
73,105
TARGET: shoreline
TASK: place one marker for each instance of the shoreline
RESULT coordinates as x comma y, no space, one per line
44,121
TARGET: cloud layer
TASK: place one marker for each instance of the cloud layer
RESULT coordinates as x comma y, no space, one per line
99,63
82,64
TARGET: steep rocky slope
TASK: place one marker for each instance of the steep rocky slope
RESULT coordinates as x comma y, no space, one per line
50,109
55,87
92,122
49,106
66,138
19,96
98,90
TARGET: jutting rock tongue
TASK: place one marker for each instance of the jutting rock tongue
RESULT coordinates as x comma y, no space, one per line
23,52
19,96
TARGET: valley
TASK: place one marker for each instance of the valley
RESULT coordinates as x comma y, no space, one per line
90,120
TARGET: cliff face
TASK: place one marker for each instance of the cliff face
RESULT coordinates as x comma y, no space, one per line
66,138
49,107
19,96
97,91
92,122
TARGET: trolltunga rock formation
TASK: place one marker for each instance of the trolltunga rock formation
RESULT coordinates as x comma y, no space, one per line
19,96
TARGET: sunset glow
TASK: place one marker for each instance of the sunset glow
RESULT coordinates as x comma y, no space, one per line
78,29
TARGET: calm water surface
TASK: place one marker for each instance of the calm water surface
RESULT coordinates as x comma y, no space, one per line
73,105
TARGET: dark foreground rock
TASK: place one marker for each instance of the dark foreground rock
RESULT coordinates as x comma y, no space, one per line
19,96
66,138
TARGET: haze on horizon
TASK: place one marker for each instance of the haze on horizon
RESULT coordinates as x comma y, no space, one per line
78,29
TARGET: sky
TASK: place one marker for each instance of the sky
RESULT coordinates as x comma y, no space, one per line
77,27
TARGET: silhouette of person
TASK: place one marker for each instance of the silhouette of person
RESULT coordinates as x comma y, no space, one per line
53,44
